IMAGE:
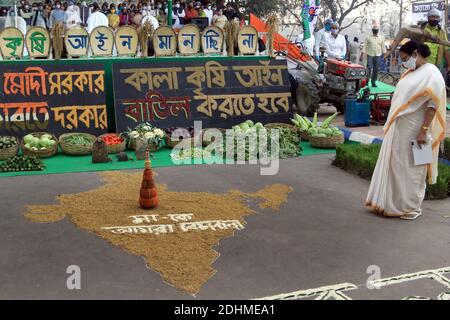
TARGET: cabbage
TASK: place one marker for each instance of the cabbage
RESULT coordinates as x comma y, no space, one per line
245,127
44,142
35,142
48,136
28,138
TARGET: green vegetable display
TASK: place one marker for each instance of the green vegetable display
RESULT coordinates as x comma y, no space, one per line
288,144
7,142
80,140
313,129
22,163
33,143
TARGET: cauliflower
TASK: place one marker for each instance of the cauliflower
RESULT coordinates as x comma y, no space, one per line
149,135
159,133
134,134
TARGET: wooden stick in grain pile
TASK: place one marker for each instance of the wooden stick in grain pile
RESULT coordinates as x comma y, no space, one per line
57,40
145,33
272,29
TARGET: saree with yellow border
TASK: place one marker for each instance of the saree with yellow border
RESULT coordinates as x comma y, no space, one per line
398,186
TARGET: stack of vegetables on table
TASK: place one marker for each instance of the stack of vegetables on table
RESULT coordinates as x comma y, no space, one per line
314,129
144,131
287,146
22,163
289,143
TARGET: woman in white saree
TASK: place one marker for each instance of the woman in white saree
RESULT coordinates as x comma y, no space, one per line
417,113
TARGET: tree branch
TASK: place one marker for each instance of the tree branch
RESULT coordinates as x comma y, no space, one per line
352,23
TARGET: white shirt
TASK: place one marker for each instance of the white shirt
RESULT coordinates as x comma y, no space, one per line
320,40
153,21
336,47
209,13
96,19
73,19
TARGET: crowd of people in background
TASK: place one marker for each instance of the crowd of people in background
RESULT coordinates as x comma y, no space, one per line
120,13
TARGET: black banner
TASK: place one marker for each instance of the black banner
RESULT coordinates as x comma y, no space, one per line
52,98
218,93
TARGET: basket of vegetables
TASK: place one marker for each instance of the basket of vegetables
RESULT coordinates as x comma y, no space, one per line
9,147
114,142
22,163
328,139
40,145
173,138
76,144
321,135
153,135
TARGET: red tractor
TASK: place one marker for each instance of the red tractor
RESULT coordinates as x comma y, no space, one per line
341,78
312,83
331,81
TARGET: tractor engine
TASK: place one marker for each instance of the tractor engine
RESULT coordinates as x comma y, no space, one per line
342,78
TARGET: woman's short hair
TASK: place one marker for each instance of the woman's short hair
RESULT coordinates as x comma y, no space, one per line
414,45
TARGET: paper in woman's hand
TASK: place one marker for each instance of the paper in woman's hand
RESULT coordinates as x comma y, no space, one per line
422,154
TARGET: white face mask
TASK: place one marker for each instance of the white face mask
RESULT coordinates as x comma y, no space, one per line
410,63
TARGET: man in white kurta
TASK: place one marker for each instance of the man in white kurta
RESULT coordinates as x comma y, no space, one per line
319,38
96,19
73,19
335,44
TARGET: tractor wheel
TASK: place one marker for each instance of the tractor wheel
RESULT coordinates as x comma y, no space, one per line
307,98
